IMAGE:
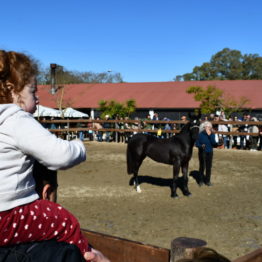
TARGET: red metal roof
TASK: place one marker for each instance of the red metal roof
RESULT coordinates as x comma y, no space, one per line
148,95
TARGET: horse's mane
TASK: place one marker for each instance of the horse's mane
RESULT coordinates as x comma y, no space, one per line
151,137
185,128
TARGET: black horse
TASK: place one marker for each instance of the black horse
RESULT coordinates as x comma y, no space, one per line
176,150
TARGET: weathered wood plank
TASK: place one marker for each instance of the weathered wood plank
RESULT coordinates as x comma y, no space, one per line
124,250
255,256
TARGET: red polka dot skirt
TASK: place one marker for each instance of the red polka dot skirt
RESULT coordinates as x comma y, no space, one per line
40,220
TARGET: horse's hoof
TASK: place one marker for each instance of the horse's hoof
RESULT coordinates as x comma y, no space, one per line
175,196
201,183
138,189
209,184
187,193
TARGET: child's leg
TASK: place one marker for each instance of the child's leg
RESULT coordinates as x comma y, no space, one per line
40,220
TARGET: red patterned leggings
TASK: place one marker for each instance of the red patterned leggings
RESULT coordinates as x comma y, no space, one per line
40,220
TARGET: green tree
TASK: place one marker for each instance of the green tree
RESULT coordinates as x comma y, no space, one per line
64,76
230,104
252,67
203,72
114,108
227,64
188,77
212,99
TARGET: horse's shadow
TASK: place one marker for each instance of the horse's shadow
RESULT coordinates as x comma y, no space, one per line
157,181
165,182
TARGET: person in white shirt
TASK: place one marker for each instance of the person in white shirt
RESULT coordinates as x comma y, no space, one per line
223,128
23,216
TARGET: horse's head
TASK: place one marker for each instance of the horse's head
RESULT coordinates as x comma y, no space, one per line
194,123
192,126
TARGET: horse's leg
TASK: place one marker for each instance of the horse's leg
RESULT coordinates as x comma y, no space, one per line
136,180
136,183
184,169
176,168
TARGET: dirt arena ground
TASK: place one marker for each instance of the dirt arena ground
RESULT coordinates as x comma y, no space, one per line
228,215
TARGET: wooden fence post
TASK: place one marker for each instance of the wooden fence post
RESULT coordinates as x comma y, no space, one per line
183,247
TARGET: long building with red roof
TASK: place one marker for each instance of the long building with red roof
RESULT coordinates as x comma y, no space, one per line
159,96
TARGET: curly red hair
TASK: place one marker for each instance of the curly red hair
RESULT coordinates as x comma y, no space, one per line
16,71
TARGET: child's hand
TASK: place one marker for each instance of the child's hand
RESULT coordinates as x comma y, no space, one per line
95,256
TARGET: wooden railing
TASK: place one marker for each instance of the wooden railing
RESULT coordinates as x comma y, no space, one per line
124,250
68,122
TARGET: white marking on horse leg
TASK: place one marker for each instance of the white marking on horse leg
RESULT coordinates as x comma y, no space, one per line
137,186
138,189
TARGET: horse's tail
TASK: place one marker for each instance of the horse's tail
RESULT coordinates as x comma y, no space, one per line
129,160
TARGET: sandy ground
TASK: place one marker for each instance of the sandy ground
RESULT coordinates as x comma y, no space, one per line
228,215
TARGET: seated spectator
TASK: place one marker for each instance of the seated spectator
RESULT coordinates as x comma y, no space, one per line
166,127
90,132
121,134
244,139
234,128
155,118
98,134
127,126
135,125
107,125
53,125
81,135
223,138
184,119
253,139
147,126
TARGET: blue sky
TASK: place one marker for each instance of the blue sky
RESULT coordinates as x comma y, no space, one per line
144,40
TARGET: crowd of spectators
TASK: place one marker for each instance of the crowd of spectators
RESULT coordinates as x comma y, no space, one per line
163,130
244,142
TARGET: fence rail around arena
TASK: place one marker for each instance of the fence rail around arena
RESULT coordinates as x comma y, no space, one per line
120,249
66,128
